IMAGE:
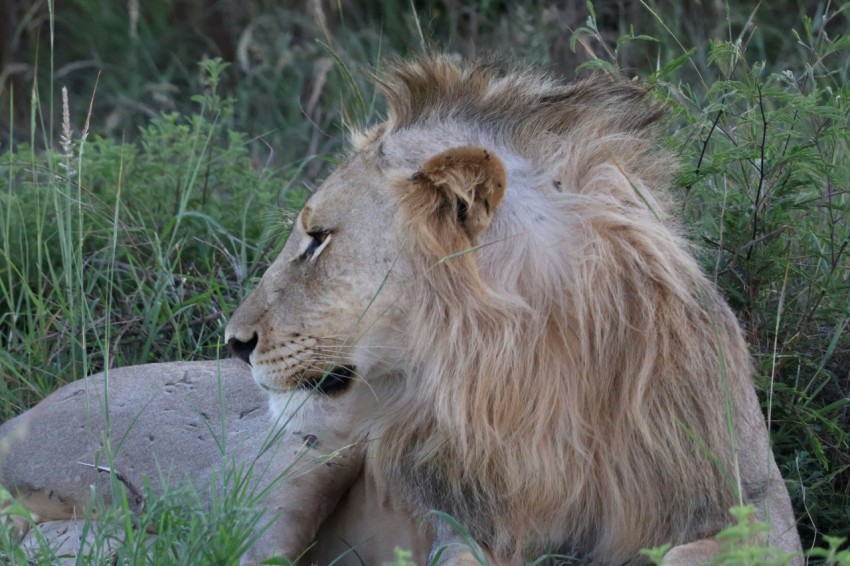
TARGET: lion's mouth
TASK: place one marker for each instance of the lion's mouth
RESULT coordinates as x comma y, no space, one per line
336,380
329,382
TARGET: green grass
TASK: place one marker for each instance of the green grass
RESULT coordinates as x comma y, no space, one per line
133,227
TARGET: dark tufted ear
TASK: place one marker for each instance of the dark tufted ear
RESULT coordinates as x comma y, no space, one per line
451,199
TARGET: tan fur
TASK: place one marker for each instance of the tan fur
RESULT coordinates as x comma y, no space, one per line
554,370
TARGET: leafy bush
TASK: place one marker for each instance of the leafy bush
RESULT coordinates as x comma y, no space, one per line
766,189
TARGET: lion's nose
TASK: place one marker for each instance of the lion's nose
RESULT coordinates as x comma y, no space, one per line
241,348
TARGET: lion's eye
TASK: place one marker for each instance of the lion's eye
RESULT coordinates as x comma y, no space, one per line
317,241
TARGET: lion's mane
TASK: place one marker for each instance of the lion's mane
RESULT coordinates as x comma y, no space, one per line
573,381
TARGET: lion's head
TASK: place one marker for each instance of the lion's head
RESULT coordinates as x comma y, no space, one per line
496,262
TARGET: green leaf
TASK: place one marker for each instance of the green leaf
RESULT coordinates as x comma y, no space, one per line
671,66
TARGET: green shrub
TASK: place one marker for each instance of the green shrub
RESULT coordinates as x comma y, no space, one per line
765,190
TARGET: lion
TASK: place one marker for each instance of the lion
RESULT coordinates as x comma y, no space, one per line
486,311
497,264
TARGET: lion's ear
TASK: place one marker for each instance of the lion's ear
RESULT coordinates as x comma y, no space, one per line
453,196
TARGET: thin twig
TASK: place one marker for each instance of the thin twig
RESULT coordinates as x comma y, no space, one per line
138,498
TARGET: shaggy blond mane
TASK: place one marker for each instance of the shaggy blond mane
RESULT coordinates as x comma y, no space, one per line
571,381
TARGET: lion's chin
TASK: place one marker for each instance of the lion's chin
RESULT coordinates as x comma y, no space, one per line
275,384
